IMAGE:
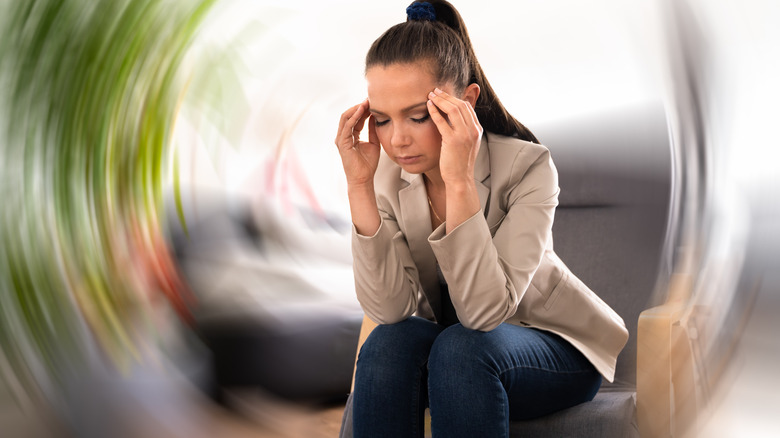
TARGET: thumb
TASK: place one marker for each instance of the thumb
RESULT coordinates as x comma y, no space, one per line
372,135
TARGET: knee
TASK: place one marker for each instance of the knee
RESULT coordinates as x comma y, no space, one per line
390,345
462,347
379,342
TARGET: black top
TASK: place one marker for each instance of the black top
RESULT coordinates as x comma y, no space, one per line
448,314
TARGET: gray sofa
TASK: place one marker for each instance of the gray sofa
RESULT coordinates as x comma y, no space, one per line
265,322
610,227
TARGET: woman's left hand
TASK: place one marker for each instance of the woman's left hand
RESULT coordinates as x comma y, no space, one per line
461,135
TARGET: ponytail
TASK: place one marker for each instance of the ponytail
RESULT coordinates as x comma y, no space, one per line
444,41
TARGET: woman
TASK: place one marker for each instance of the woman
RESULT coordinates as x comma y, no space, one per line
452,244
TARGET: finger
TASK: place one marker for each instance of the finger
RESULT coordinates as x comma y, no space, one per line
372,135
349,134
362,120
466,112
345,116
450,106
438,119
449,112
473,120
473,128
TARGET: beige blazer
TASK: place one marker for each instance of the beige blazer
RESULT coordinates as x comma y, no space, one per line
499,264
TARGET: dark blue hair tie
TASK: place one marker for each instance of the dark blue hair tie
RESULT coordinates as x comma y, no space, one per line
421,11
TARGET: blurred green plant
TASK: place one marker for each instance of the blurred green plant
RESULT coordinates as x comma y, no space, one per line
89,94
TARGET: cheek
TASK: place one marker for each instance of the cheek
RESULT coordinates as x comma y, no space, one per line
384,134
430,134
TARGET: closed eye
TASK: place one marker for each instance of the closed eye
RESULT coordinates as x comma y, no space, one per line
380,123
421,119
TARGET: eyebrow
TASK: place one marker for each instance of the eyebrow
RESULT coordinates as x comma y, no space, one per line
405,110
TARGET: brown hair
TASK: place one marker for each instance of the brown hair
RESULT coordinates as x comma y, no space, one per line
445,44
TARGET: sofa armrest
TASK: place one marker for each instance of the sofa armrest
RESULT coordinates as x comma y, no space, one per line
666,397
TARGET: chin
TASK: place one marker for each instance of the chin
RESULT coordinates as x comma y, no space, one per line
414,169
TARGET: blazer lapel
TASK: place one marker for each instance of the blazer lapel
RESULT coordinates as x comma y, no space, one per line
415,218
482,174
416,222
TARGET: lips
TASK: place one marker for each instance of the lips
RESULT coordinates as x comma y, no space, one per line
409,159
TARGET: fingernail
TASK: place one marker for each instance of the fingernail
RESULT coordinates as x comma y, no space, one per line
430,102
431,95
437,90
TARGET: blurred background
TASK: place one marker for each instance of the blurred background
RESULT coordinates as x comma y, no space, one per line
174,245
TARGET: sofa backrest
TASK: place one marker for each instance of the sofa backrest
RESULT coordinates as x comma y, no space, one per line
615,176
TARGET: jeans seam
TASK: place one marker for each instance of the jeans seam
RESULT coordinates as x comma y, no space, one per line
416,403
500,372
415,408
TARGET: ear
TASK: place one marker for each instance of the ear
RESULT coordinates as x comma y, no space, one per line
471,93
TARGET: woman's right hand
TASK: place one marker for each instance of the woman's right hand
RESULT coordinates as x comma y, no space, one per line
360,158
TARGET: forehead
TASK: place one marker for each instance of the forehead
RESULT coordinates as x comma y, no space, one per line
396,86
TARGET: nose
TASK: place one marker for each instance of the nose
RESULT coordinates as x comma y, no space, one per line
400,136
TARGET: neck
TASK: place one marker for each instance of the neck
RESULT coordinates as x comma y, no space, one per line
433,180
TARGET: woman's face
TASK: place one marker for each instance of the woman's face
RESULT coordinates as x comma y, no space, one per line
397,96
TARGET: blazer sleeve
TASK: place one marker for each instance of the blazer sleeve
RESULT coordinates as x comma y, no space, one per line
386,278
488,273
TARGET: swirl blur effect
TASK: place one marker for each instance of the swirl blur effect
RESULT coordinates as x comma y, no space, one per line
90,94
174,221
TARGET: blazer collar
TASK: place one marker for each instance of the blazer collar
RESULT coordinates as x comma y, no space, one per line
481,173
415,219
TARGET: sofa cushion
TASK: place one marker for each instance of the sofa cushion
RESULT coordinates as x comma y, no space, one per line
609,414
272,316
302,353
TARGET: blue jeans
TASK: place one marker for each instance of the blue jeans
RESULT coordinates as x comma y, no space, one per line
474,382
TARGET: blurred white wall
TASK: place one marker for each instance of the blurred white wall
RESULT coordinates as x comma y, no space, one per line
302,65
